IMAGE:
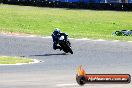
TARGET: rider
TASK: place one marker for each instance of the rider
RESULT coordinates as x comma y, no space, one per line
55,36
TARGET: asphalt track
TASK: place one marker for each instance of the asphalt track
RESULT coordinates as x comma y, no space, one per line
58,70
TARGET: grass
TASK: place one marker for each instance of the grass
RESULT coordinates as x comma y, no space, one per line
77,23
13,60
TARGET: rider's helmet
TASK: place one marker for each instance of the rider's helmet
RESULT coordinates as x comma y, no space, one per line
57,31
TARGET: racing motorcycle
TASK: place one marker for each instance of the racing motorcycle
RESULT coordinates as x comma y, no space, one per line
123,33
65,45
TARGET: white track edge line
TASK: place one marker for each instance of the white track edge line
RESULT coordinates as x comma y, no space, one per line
49,37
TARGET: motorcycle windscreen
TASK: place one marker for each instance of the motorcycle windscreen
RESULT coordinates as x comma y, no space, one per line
61,38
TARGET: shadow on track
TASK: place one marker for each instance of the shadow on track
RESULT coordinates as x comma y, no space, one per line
49,54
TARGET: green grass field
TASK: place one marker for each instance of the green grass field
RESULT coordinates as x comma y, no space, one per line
77,23
13,60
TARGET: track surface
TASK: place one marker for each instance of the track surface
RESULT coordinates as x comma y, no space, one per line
57,69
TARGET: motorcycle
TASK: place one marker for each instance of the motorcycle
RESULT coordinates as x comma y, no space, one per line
65,45
123,33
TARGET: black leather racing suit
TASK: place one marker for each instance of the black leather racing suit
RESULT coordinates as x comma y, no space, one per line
55,37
